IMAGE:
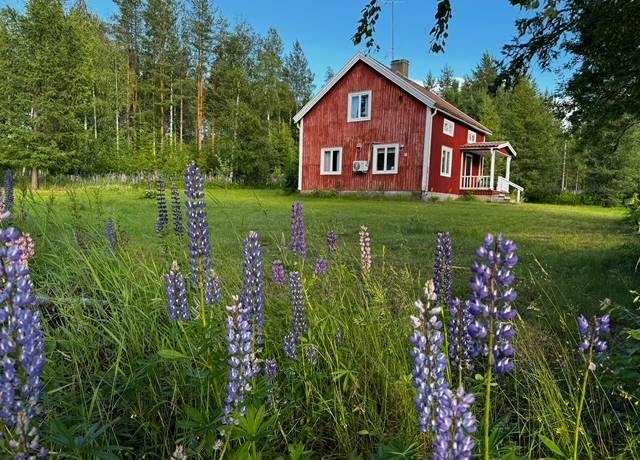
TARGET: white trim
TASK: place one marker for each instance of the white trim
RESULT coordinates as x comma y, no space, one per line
449,150
385,71
453,127
475,137
426,154
330,173
300,156
351,96
493,167
374,159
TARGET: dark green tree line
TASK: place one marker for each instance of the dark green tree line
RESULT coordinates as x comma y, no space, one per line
164,83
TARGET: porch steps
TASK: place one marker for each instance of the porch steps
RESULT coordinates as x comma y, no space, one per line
501,197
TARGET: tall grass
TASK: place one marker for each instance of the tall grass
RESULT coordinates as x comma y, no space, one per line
123,381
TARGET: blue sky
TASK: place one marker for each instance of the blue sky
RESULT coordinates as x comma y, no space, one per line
325,27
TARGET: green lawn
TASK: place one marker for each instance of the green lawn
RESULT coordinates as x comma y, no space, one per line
588,253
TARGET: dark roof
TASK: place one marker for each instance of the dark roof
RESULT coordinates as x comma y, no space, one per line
448,108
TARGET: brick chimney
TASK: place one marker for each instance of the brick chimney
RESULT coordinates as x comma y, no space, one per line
400,66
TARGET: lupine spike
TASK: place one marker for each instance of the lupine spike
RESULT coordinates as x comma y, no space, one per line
212,288
299,315
112,234
161,200
242,362
253,295
176,208
198,226
443,269
332,241
322,266
21,347
492,298
177,294
9,190
365,250
455,425
298,231
278,273
430,362
591,333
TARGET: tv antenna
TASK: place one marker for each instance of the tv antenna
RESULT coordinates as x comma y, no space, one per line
393,22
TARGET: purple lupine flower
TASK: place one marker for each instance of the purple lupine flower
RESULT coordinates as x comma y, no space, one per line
253,296
298,231
461,345
212,287
332,241
430,362
244,366
21,347
278,273
198,226
161,201
9,189
177,294
112,235
492,298
299,314
322,266
365,250
27,246
443,269
271,368
176,208
591,336
311,353
455,425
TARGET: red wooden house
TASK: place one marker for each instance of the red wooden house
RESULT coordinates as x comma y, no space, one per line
371,128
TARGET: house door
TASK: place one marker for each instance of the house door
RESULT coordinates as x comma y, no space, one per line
468,164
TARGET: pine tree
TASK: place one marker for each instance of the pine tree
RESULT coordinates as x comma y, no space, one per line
298,76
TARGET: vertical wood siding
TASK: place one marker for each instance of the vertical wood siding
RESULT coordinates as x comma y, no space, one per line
442,184
396,117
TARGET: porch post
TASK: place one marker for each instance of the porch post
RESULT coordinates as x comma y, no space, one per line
508,171
493,169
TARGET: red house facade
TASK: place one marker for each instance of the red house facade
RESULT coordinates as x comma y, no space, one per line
372,129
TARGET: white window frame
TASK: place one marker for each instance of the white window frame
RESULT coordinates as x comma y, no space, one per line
322,154
374,159
351,96
471,134
446,172
448,123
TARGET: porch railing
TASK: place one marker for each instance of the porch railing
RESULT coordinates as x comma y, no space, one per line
475,182
505,185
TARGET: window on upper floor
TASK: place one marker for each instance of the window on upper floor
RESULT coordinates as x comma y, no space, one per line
331,161
359,106
385,158
471,137
446,158
448,127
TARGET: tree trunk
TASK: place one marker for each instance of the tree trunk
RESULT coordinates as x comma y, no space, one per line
200,107
161,115
116,113
95,112
35,182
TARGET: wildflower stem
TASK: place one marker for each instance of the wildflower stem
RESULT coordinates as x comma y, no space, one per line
487,402
583,393
203,306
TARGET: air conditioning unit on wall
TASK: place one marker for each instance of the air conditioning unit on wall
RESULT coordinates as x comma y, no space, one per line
360,166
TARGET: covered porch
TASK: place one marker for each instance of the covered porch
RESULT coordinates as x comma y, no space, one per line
481,162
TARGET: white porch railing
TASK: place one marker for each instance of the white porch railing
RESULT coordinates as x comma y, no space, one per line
505,185
475,182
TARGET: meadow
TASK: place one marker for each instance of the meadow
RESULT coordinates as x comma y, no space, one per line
124,381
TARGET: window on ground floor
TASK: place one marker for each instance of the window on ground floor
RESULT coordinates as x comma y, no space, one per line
385,158
331,161
445,161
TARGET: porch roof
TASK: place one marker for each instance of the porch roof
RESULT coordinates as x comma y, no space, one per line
485,148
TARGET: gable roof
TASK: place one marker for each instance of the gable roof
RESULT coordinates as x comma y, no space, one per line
490,145
429,98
